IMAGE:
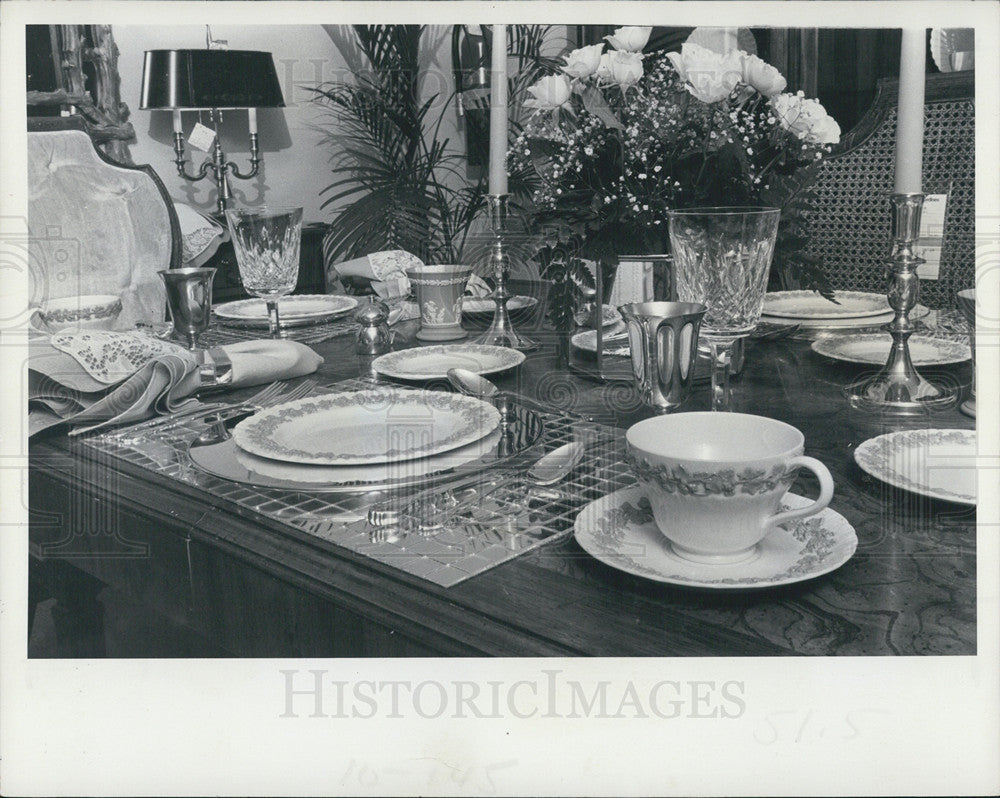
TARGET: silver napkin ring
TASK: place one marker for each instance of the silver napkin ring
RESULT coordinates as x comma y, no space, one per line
217,368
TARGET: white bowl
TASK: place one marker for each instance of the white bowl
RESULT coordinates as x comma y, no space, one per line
95,312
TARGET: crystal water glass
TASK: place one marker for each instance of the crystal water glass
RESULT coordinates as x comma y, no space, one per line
267,242
722,257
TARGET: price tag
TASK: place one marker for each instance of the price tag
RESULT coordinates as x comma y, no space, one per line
931,238
201,137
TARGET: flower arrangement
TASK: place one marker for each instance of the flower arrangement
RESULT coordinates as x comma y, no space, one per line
619,137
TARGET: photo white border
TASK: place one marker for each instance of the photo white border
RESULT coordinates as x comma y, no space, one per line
904,725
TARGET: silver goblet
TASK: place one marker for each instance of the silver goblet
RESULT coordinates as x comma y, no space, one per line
189,299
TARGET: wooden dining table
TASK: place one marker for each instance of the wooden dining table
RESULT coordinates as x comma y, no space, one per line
133,563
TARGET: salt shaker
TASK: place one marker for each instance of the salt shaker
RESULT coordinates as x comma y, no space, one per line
374,337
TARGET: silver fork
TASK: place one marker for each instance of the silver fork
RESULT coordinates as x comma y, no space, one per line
218,418
265,397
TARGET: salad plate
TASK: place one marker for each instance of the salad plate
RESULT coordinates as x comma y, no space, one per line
614,340
855,322
618,529
294,311
811,305
433,362
483,307
939,463
873,348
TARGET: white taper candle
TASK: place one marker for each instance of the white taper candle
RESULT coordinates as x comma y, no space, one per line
910,112
498,112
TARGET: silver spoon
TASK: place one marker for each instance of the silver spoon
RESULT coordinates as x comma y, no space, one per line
472,384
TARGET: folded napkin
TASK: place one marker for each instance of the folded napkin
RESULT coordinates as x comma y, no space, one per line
103,378
200,235
477,287
386,270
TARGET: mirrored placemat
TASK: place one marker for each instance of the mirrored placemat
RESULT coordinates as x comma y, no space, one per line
492,533
221,334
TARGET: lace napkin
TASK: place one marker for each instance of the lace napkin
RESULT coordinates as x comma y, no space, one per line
387,271
102,378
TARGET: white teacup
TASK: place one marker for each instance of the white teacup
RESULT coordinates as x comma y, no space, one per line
715,480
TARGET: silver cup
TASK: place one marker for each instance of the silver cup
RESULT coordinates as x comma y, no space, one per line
189,298
663,338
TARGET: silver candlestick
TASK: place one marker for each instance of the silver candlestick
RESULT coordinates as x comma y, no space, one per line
501,331
898,389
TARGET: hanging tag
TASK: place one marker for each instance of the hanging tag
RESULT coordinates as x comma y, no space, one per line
931,239
201,137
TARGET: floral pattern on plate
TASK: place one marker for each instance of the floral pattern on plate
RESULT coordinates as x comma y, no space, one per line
618,529
811,305
295,310
873,349
433,362
366,427
939,463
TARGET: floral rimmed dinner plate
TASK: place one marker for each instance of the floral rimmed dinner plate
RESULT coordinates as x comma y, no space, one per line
293,311
433,362
366,427
939,463
618,529
483,307
873,348
228,461
810,305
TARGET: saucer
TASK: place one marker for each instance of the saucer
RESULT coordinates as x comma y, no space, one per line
618,529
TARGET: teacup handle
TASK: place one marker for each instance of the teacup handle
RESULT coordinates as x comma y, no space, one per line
825,492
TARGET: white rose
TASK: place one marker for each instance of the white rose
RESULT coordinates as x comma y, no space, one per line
761,75
549,93
825,130
630,39
584,62
626,68
604,68
806,119
708,75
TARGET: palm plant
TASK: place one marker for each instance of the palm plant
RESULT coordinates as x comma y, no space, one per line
397,183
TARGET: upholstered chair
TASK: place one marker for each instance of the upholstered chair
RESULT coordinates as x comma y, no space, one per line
96,226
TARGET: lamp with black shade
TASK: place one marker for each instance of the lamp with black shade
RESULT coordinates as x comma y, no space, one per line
213,81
